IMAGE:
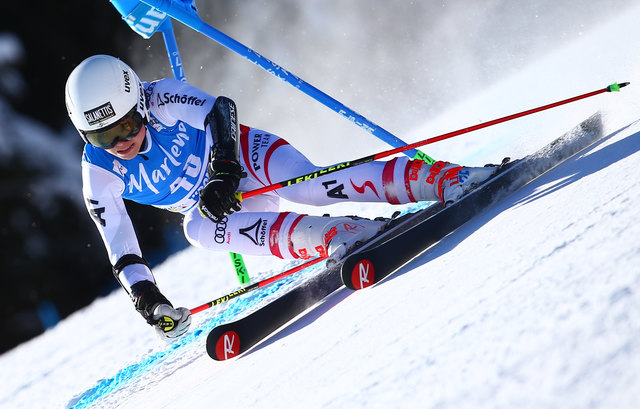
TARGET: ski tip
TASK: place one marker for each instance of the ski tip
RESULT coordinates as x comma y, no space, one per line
223,346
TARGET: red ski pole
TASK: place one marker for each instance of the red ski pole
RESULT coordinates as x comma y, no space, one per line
384,154
257,285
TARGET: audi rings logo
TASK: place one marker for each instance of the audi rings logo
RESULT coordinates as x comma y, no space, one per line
221,231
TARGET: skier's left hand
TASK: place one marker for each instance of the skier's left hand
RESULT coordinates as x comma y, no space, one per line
218,198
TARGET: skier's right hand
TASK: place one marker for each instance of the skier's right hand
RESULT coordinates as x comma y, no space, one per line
154,307
218,198
171,322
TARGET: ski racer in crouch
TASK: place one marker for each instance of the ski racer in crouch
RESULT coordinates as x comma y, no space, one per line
171,145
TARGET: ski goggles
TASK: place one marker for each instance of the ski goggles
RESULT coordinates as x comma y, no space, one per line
123,130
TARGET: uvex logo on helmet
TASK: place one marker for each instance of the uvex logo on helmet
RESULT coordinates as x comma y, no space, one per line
127,81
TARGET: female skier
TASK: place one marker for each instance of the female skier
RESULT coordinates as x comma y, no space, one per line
170,145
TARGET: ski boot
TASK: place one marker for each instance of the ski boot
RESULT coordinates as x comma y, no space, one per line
332,236
444,181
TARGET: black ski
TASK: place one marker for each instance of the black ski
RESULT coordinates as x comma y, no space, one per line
383,255
234,338
405,237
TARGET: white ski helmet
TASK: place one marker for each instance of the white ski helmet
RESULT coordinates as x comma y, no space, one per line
100,92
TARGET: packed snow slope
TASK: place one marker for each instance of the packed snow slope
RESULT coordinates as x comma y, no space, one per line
533,304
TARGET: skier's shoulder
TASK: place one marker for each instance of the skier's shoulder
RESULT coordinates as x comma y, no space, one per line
170,100
161,85
99,161
171,90
94,155
99,171
155,93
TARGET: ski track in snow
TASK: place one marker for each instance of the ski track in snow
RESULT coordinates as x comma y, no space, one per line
532,304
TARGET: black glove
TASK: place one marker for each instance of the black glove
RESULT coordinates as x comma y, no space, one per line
147,297
218,198
168,322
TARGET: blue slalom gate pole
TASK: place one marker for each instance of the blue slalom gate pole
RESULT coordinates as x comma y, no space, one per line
172,50
146,21
185,14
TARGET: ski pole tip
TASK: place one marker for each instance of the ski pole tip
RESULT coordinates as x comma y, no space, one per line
615,87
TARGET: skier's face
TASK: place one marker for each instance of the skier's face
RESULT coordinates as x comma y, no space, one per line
129,149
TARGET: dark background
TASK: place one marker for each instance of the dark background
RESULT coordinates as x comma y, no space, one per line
71,267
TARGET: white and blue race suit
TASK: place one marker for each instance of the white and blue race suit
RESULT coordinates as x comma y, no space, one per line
171,169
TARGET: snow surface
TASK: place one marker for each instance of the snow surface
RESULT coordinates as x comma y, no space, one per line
533,304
